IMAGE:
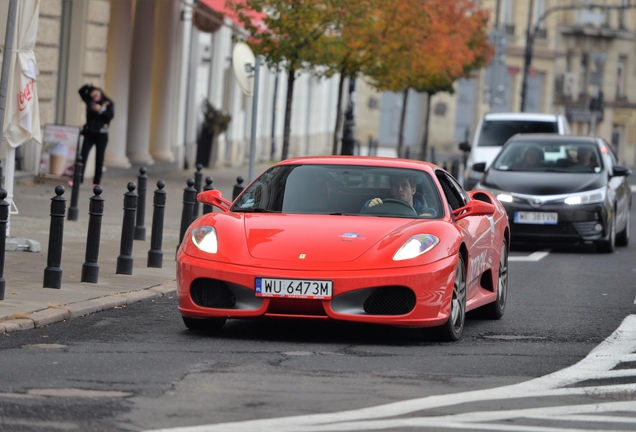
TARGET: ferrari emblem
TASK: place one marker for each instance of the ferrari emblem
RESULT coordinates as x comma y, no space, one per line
301,256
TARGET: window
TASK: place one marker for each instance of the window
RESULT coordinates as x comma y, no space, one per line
539,9
621,75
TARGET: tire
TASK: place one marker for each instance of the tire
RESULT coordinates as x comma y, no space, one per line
452,330
622,239
608,246
204,324
495,310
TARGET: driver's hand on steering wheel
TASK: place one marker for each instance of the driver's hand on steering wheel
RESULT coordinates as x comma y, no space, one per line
374,202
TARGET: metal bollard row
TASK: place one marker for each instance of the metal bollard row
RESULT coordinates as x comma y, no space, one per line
90,268
155,254
53,271
125,259
207,208
140,229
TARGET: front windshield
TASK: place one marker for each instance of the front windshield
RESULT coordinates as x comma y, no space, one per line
543,156
495,133
342,190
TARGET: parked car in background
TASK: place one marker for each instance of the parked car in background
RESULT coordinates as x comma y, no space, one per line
494,129
336,238
561,190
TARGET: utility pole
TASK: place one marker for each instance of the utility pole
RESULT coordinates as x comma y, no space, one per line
530,34
348,139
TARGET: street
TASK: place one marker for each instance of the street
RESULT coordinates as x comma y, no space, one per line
138,368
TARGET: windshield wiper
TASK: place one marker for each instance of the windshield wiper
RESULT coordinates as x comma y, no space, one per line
340,213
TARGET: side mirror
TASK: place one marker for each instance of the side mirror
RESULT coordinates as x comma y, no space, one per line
464,146
479,167
621,171
214,198
474,208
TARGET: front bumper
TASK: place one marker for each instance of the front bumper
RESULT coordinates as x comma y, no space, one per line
208,289
576,224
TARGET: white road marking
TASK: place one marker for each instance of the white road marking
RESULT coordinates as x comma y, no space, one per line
533,257
618,347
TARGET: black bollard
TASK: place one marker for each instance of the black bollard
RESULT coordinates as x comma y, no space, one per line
155,255
90,268
198,179
4,219
207,208
189,197
53,271
238,187
125,259
73,210
140,229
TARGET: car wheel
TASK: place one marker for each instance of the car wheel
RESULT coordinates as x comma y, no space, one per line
495,310
622,239
608,246
204,324
454,327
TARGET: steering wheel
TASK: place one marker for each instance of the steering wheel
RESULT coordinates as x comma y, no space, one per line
391,207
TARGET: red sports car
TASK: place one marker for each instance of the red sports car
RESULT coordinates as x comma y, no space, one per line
365,239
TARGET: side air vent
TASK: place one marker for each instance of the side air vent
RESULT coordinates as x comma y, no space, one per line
212,293
392,300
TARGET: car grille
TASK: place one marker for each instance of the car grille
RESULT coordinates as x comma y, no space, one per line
565,228
212,293
393,300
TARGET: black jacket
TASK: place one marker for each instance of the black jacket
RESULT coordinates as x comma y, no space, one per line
97,121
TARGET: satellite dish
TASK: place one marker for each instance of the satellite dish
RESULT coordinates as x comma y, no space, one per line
243,62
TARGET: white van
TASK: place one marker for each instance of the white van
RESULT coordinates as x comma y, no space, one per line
494,129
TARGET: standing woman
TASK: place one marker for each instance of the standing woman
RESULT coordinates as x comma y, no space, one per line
100,110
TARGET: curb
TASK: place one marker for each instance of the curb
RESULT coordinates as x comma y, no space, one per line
56,314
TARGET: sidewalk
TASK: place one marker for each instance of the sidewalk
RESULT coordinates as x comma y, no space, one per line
27,304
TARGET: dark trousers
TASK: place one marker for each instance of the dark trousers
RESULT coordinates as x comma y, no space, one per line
99,140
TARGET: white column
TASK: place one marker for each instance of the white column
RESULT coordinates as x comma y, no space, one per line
139,101
118,80
164,80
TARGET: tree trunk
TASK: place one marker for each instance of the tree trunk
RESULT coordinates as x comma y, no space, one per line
426,120
400,146
291,76
334,150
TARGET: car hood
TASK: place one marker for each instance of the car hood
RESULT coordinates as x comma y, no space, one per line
316,238
543,183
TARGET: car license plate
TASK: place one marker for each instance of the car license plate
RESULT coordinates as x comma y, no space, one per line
538,218
294,288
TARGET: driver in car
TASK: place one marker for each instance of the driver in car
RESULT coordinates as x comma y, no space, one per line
405,189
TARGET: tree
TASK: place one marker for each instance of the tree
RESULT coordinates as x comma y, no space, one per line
292,32
426,45
346,48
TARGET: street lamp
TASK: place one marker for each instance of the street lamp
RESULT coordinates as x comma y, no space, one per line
348,139
531,35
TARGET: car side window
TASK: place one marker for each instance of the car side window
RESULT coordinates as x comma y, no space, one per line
454,193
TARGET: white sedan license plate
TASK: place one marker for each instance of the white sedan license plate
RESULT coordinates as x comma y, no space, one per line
294,288
538,218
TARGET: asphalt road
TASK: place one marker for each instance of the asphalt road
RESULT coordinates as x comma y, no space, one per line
138,368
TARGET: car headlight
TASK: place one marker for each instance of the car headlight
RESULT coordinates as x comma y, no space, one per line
204,237
416,246
500,195
588,197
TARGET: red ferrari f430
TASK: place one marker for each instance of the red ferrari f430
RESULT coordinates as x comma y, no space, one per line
365,239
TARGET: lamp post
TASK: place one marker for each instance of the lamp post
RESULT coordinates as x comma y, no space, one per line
348,139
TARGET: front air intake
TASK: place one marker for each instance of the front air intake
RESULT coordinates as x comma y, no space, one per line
392,300
212,293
